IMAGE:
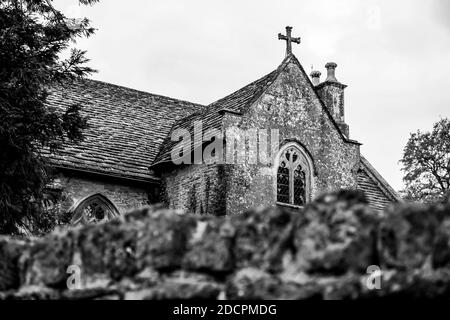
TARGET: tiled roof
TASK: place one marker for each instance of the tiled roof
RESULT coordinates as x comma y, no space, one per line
377,190
126,127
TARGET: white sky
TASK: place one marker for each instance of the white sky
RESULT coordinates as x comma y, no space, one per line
393,55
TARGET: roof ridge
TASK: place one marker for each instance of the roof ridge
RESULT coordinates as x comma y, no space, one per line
138,91
261,90
273,76
241,88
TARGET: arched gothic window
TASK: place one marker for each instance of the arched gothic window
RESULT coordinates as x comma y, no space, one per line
94,209
293,176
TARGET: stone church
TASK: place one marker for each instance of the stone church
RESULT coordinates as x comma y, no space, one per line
125,159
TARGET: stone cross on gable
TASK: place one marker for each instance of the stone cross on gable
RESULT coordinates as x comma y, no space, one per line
289,40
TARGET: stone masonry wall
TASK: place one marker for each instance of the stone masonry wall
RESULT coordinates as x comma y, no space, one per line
124,196
324,252
195,188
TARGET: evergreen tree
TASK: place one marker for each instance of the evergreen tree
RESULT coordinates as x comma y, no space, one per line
33,35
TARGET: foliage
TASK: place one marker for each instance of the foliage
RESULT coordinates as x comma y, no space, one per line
33,35
426,163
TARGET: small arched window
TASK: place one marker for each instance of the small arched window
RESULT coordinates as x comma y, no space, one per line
293,176
94,209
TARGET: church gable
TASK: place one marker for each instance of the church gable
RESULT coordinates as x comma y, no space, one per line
292,83
291,105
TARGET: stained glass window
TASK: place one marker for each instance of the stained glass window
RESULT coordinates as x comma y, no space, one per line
299,186
283,183
292,179
94,209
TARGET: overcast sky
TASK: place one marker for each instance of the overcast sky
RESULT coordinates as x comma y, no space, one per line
393,55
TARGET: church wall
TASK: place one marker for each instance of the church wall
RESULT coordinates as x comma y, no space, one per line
125,196
196,188
291,106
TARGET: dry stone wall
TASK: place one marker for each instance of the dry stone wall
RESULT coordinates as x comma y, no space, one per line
323,252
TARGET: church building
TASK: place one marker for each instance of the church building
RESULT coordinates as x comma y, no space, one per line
127,157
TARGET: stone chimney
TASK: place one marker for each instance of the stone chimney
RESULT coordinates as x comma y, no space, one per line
331,91
315,77
331,72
